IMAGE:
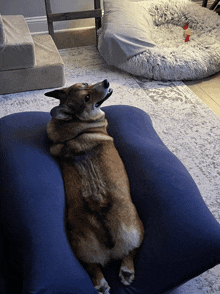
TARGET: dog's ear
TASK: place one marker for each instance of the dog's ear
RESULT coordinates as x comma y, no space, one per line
58,94
61,112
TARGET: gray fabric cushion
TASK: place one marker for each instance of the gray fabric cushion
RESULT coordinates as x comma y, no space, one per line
122,36
17,50
47,73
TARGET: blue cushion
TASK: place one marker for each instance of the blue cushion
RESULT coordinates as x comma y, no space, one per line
182,237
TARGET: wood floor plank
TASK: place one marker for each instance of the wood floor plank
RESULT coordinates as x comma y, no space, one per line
202,92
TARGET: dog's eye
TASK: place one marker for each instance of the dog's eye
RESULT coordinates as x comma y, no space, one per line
87,98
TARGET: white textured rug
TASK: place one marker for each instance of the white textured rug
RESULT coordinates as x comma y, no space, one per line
186,125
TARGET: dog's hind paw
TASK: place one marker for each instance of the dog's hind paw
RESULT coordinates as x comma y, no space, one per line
126,275
103,287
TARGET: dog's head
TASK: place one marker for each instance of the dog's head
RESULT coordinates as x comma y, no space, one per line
80,101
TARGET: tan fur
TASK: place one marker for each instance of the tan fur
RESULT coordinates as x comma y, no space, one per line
101,220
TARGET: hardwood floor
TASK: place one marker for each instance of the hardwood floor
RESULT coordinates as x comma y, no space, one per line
207,89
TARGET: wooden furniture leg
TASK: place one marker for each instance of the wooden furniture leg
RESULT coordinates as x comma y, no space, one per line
52,17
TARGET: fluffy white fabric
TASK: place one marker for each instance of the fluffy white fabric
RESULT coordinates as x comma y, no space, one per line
172,58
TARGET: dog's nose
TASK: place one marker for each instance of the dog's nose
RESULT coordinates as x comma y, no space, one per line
106,83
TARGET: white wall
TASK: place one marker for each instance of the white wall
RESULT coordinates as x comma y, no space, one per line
35,14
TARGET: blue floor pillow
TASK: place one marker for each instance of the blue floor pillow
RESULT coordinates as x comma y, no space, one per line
182,237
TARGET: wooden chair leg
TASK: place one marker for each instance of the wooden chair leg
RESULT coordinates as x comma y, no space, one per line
204,3
97,20
50,24
214,4
51,17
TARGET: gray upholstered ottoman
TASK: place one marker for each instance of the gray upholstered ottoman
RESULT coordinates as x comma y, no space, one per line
17,47
27,62
47,73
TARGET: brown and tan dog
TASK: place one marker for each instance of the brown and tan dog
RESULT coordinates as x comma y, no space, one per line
101,220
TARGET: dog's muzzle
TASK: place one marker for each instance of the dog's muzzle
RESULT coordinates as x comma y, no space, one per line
110,91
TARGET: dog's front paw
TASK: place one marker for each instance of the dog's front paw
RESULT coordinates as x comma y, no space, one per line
103,287
126,275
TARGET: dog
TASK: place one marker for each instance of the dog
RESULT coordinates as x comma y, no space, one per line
102,223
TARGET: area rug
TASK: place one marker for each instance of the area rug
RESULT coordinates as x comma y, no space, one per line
184,123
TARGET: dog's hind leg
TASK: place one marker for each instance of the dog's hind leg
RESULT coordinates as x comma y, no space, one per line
98,280
126,272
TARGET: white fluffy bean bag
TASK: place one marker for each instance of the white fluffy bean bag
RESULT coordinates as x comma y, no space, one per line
145,38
